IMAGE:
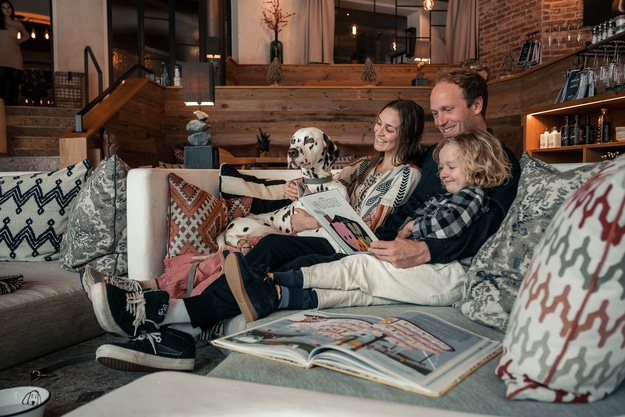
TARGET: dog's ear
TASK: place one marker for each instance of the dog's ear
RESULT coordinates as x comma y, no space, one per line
333,151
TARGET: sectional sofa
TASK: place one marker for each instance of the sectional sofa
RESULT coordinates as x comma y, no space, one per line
482,393
51,310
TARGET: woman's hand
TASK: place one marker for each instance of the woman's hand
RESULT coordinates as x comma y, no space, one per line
301,221
401,253
290,190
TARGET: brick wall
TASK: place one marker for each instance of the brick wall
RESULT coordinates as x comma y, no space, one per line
505,25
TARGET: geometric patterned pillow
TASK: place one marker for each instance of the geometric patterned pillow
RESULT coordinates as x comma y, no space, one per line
34,210
238,207
195,218
97,221
566,339
496,271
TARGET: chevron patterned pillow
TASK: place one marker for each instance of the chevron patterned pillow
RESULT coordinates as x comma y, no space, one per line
34,209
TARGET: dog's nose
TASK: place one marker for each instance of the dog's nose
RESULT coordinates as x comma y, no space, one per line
293,153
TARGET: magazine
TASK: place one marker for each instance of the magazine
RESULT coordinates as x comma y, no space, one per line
414,351
339,219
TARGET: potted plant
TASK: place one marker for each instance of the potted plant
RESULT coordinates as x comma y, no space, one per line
263,143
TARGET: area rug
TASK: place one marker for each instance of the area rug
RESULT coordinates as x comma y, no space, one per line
77,384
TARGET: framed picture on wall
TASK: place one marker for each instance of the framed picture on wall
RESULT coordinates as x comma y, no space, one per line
598,11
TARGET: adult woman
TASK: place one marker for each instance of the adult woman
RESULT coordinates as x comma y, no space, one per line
376,185
398,130
11,61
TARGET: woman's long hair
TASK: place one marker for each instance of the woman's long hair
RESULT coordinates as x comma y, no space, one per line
2,25
409,133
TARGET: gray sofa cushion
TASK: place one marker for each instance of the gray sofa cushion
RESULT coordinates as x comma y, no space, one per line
482,392
49,312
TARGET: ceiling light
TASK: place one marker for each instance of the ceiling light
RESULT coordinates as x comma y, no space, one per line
428,5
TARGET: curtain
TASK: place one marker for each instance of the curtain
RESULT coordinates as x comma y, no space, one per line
319,33
461,31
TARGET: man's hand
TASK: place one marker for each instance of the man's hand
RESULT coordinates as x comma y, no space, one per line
301,221
401,253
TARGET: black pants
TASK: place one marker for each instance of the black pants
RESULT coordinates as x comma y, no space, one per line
272,253
9,85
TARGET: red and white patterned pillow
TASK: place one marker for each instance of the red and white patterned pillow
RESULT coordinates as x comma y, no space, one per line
195,218
566,337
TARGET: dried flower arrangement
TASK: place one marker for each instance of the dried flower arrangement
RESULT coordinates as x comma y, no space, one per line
274,18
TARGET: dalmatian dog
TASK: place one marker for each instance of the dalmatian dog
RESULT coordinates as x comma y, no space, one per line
312,152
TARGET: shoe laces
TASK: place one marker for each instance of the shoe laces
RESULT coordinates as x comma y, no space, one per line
126,284
135,305
153,338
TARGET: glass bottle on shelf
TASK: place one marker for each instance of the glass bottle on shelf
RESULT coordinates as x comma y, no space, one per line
555,138
544,140
177,77
590,131
576,134
164,74
566,132
604,127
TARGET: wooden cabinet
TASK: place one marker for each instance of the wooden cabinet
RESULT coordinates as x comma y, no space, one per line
546,117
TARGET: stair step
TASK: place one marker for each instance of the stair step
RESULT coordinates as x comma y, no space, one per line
35,132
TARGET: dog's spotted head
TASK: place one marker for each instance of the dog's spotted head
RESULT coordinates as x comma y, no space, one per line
313,150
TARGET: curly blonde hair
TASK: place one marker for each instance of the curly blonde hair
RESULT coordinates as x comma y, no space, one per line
485,162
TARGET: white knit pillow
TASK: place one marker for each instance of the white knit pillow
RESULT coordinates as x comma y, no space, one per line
566,338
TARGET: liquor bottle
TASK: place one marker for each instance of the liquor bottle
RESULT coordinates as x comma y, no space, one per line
164,74
566,132
606,126
576,134
590,131
603,127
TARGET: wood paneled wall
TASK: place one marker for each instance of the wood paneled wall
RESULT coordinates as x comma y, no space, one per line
388,75
345,113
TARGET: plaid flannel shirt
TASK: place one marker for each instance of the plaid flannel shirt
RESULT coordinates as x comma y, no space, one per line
448,215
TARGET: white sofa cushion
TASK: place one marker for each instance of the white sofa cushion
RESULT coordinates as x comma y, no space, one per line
566,338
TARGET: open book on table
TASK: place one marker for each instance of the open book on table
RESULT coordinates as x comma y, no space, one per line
414,351
339,219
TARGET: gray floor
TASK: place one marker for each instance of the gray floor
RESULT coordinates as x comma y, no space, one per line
77,384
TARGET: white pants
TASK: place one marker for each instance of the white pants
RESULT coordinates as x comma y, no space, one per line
365,280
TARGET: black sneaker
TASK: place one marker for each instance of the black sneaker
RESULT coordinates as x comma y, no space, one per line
168,349
128,313
254,291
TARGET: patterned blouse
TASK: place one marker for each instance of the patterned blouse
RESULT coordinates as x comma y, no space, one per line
379,194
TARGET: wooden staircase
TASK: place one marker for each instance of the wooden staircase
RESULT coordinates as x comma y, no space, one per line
33,137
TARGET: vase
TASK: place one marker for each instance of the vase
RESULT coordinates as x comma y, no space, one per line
275,50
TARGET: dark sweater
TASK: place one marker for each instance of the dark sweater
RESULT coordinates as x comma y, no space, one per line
467,244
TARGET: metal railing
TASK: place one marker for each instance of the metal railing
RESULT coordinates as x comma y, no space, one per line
105,93
89,53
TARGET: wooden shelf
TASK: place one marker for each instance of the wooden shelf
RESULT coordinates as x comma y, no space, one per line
546,117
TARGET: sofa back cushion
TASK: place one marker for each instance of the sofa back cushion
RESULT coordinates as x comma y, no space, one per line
96,233
498,268
34,210
566,339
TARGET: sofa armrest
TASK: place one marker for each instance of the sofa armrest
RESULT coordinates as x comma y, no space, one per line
148,201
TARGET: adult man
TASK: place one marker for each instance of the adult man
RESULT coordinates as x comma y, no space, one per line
458,103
